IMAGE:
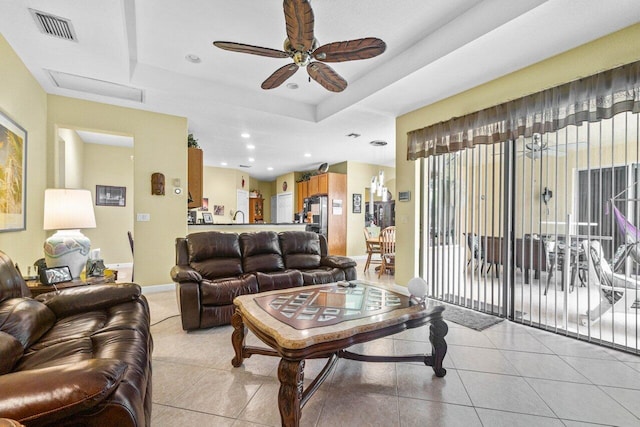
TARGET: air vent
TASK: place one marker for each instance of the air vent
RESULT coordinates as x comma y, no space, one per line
378,143
54,25
95,86
353,135
244,166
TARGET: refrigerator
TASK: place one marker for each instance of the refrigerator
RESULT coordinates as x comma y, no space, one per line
318,207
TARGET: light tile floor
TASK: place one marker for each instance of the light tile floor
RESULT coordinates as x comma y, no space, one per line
507,375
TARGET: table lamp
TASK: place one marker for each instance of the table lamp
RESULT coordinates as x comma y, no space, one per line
67,211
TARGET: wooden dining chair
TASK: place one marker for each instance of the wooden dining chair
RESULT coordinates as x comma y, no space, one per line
388,250
372,240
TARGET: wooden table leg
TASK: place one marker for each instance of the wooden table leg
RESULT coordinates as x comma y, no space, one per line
237,338
437,331
291,375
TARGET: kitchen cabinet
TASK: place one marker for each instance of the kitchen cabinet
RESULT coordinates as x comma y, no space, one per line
256,210
312,190
302,191
333,188
194,176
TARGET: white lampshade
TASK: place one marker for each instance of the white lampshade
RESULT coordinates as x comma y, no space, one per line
68,210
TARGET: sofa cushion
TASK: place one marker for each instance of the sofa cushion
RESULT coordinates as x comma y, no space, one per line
215,254
321,276
279,280
223,291
300,249
25,319
89,298
11,351
45,395
261,252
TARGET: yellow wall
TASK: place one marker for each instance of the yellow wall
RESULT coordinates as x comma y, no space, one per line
113,166
73,159
159,146
219,185
23,100
605,53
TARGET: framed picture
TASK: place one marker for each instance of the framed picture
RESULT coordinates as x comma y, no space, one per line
207,218
13,170
107,195
205,204
51,276
357,203
218,209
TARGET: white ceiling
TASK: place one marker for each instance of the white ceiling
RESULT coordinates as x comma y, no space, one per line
435,49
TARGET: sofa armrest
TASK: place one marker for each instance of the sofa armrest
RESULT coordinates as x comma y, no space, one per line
88,298
59,391
184,273
336,261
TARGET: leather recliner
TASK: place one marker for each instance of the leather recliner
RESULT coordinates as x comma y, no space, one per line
212,268
80,356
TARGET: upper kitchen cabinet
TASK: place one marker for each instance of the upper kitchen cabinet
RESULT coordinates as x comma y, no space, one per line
194,174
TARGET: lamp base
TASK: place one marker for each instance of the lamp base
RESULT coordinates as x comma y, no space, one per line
67,247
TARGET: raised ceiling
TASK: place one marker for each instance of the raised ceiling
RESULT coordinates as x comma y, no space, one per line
435,49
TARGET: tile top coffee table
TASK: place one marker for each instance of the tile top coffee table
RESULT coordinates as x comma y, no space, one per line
323,321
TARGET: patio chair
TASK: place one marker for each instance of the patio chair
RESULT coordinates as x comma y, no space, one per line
473,242
610,286
387,250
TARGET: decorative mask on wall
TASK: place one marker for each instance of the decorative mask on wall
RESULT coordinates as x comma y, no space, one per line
157,184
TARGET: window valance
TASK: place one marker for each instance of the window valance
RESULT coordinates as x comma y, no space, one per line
590,99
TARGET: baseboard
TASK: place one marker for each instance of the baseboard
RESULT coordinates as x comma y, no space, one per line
158,288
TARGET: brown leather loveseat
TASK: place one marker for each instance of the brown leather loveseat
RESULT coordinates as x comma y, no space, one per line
79,356
212,268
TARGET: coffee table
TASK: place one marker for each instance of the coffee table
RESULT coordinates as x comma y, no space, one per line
323,321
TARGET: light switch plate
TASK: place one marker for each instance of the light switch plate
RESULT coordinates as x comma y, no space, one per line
143,217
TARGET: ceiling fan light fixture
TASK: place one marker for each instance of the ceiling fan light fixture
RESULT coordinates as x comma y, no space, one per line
292,86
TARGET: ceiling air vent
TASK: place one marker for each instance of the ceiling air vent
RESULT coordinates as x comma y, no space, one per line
95,86
54,25
244,166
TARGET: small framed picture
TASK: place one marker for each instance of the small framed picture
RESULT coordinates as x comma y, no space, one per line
207,218
357,203
51,276
108,195
218,210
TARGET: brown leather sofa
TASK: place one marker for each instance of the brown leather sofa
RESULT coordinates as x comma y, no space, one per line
79,356
212,268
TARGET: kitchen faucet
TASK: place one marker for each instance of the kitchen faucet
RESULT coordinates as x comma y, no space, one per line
236,214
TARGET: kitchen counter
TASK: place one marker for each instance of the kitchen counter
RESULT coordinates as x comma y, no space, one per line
242,228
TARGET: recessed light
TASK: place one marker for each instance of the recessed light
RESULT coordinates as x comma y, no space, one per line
251,146
269,168
307,154
378,143
223,163
245,135
193,58
292,85
251,159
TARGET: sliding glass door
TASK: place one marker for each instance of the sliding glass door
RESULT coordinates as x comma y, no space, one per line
542,230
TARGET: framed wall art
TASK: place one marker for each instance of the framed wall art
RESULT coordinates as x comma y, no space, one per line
13,175
107,195
357,203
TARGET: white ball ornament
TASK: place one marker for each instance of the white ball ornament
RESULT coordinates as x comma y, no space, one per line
417,287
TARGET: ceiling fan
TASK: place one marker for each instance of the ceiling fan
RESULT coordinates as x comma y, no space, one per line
537,148
301,46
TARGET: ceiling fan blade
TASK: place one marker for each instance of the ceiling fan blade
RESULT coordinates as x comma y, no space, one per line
299,17
326,76
279,76
254,50
350,50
